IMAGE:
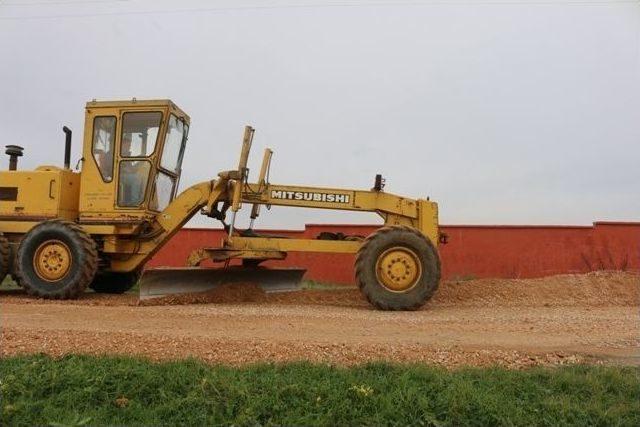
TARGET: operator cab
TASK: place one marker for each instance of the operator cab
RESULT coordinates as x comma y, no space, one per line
133,154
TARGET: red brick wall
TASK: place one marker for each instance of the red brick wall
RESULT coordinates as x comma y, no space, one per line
472,251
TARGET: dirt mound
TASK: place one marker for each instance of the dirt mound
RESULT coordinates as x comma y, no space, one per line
231,293
252,293
593,289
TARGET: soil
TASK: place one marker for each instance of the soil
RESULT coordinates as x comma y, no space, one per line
592,318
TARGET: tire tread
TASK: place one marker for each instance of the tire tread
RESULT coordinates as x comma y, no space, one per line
89,267
361,261
4,257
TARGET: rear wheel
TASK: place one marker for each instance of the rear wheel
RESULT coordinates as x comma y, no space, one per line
114,283
4,257
397,268
56,260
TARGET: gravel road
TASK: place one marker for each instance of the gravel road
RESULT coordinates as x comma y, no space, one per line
591,318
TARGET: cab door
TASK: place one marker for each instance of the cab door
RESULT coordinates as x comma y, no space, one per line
98,183
140,139
167,179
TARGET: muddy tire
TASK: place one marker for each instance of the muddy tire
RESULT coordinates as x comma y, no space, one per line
4,257
114,283
397,268
56,260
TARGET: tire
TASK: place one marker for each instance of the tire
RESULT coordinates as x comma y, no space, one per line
114,283
397,268
4,257
56,260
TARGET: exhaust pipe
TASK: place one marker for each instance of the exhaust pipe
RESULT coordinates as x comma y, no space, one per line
67,147
14,151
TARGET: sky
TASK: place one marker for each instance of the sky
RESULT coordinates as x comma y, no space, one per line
504,112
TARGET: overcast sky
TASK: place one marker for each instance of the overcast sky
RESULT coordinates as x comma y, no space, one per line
505,112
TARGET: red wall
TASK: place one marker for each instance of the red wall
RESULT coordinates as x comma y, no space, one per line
472,251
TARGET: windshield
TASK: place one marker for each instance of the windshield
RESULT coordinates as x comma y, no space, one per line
140,133
166,183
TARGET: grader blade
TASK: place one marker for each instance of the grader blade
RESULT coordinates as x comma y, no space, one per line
160,282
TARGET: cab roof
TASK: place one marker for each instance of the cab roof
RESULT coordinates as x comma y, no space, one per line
140,103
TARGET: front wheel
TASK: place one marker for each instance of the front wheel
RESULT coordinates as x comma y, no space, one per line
397,268
56,260
4,257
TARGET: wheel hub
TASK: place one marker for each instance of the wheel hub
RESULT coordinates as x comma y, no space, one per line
52,260
398,269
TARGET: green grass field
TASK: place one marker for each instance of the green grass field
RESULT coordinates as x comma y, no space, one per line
77,390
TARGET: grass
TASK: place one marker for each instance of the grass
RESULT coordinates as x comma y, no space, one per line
77,390
8,283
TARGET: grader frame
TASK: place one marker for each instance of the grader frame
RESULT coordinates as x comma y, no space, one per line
403,261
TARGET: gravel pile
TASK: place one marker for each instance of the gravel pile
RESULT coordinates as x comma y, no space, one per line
593,289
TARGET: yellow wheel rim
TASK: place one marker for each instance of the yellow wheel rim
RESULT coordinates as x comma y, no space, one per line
398,269
52,260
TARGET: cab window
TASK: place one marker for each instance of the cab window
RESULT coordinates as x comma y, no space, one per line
133,177
163,192
102,148
166,182
173,145
139,133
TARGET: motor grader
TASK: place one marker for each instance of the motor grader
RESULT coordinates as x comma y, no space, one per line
63,231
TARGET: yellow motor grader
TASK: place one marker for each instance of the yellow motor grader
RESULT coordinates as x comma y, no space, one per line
62,231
